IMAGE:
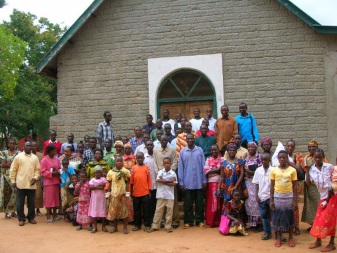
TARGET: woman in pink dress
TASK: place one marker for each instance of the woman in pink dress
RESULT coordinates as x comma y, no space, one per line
83,191
212,172
97,206
50,169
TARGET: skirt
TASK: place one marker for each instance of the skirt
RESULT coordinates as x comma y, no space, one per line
252,207
213,206
283,216
97,206
82,217
51,196
7,193
118,208
325,221
311,200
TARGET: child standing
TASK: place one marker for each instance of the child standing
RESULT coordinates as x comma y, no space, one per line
166,180
83,192
97,206
325,220
283,198
118,207
236,212
140,190
262,184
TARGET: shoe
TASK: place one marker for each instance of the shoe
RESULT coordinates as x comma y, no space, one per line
201,225
328,248
291,243
7,216
147,228
21,223
151,230
278,243
135,228
162,225
175,225
297,231
266,236
79,227
169,230
49,221
32,221
186,226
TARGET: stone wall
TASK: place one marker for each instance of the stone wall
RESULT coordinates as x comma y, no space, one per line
271,60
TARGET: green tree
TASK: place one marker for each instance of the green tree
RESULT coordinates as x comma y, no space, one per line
2,3
12,55
34,100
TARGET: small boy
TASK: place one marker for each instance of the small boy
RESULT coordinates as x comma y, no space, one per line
262,184
140,190
166,180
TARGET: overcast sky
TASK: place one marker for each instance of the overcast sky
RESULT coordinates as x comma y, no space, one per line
67,11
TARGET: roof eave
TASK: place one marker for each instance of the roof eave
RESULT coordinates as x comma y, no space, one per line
47,65
307,19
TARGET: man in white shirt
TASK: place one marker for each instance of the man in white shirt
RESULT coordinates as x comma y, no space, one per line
197,120
166,119
210,118
262,183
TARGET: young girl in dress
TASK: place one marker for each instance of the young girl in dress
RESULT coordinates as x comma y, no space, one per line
283,198
97,207
128,161
118,206
324,224
83,192
236,212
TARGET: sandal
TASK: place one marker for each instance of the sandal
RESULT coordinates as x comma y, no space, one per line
113,230
125,231
291,243
278,243
328,248
94,230
202,225
49,221
105,229
7,216
186,226
135,228
297,231
79,227
315,245
14,215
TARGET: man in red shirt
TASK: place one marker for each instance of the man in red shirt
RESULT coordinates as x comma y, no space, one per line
53,141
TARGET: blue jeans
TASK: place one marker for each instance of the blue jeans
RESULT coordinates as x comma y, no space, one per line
265,216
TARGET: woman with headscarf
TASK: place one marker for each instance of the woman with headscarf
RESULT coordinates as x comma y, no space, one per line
311,194
266,144
252,162
119,146
232,173
7,191
50,169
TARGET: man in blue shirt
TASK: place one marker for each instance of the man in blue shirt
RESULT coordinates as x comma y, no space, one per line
192,182
247,126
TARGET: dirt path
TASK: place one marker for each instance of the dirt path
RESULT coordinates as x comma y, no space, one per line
61,237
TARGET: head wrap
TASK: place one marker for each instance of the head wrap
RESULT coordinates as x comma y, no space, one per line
127,145
313,143
266,140
118,143
252,143
98,168
231,144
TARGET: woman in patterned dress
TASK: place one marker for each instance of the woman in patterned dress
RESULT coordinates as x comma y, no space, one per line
252,162
7,191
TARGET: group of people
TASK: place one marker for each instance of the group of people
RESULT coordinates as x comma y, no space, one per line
139,179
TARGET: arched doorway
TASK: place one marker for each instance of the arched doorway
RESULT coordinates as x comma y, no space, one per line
183,91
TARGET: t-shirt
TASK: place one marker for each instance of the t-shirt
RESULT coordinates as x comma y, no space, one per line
322,178
165,191
141,180
283,179
118,185
261,178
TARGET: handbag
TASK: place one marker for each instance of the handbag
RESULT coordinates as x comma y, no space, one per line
224,224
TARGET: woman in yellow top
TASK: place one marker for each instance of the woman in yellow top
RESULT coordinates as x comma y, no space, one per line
90,167
283,198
